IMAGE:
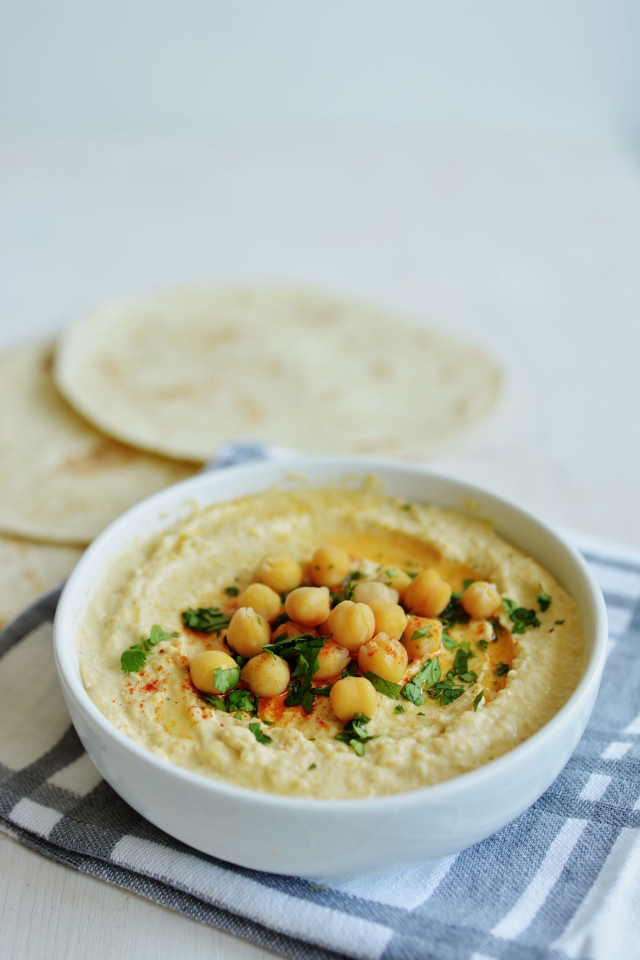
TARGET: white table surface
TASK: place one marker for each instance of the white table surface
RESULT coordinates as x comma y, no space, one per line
528,246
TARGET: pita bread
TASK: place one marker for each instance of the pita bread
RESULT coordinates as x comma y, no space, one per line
60,479
28,570
185,371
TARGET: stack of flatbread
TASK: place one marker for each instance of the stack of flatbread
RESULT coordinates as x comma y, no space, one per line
138,394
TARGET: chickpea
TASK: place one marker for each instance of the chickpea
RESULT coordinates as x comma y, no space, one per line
353,695
332,659
262,599
203,665
280,572
329,566
352,624
248,632
395,578
390,618
293,629
309,605
266,674
368,590
384,656
428,594
481,599
426,645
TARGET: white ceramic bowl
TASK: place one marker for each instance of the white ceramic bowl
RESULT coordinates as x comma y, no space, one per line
316,838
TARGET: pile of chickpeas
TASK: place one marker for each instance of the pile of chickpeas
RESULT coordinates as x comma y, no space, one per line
373,628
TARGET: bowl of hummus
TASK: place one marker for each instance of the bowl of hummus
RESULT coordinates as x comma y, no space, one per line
329,666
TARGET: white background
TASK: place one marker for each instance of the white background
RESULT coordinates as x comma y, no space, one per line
472,163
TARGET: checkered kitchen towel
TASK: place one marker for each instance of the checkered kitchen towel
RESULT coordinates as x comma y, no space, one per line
561,881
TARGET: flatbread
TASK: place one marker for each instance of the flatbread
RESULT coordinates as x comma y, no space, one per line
29,569
185,371
60,479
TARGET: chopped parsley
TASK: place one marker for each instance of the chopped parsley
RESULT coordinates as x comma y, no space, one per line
461,662
448,641
454,612
231,591
467,583
206,619
399,709
313,766
354,733
423,632
501,669
134,659
483,644
544,601
559,623
258,734
301,652
215,702
520,616
406,506
224,680
427,675
346,592
236,700
322,691
242,700
476,702
351,670
389,689
446,691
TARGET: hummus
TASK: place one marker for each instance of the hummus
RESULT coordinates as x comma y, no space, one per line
501,679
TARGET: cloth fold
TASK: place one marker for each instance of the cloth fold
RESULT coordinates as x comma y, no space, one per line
563,880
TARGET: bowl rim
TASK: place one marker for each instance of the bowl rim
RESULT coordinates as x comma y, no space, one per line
75,592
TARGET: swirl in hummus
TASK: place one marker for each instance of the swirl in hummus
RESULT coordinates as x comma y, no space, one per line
329,643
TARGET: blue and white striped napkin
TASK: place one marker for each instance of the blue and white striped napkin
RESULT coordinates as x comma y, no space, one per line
563,880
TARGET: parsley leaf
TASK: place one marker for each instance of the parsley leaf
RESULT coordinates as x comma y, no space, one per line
134,659
467,583
157,635
206,619
544,601
454,612
348,587
389,689
302,652
461,662
215,702
448,641
446,691
559,623
399,709
476,702
354,733
241,700
322,691
224,680
428,674
231,591
351,670
520,616
258,734
501,669
423,632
